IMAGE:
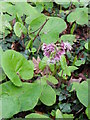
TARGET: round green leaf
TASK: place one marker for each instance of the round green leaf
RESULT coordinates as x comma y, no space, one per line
10,105
50,33
80,15
19,29
16,66
82,92
16,99
37,22
48,96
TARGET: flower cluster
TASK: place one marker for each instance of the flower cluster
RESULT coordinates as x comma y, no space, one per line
54,52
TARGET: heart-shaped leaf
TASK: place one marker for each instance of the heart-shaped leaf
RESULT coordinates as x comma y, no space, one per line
80,15
82,92
50,33
48,96
16,99
16,66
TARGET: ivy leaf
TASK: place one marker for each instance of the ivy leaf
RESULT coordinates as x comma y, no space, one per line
19,28
65,107
16,99
15,66
36,115
48,96
62,97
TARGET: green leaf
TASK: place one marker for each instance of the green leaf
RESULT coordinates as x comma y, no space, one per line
19,29
36,115
18,7
65,107
43,63
62,97
30,44
82,92
52,67
4,24
79,62
2,74
37,22
80,15
39,6
16,99
1,51
50,33
59,114
88,111
63,62
62,74
50,78
18,18
16,66
5,6
48,96
72,68
86,46
49,30
68,116
33,50
68,37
